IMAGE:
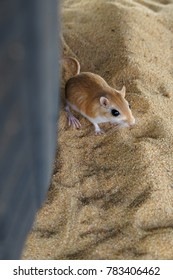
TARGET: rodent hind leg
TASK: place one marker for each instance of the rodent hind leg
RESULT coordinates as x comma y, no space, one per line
98,131
72,120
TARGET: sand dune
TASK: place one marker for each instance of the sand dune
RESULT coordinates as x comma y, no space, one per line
111,196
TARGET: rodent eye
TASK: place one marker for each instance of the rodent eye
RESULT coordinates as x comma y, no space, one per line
129,106
115,113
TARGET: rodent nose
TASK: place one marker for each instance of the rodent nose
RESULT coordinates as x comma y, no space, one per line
132,122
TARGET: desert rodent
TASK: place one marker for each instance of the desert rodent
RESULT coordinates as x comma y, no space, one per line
90,95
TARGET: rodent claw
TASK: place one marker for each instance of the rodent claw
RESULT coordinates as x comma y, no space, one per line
114,124
74,122
100,132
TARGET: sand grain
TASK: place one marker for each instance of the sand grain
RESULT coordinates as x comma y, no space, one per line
112,196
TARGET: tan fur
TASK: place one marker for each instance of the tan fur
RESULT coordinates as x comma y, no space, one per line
83,93
85,90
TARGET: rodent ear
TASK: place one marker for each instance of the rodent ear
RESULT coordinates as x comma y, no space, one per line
123,91
104,101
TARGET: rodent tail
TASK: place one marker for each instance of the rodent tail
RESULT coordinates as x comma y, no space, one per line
70,67
75,64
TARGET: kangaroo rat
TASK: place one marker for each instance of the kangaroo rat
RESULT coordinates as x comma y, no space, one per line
92,97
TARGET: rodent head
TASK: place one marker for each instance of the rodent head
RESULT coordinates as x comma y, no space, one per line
116,109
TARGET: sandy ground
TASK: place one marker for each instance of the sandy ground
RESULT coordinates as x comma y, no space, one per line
111,196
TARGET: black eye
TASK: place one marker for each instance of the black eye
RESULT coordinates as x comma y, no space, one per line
115,113
129,106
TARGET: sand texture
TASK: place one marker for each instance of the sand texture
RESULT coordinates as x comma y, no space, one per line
111,196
